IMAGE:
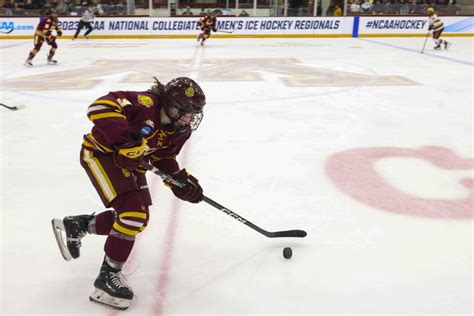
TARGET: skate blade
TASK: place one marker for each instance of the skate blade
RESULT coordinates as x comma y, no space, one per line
58,226
103,298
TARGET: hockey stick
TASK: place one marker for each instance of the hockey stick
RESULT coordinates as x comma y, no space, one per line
426,40
286,233
7,32
222,31
13,108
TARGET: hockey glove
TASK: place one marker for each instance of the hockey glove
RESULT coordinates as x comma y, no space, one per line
430,27
50,39
214,29
60,33
129,155
191,192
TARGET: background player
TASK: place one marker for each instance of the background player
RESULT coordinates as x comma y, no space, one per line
207,23
129,127
44,32
437,27
85,22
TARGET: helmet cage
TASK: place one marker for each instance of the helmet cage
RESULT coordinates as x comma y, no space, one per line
183,96
196,118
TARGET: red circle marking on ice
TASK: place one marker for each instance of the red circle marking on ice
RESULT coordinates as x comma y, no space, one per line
352,171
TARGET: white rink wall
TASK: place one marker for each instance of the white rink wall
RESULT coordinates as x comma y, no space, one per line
155,27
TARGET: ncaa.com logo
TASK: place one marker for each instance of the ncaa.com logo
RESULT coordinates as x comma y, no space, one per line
8,26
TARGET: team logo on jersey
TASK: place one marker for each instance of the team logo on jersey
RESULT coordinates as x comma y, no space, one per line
189,92
145,100
150,122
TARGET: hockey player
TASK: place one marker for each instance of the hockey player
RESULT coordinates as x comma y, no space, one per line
44,32
207,23
437,27
131,127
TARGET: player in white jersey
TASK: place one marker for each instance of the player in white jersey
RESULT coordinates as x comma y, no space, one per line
437,27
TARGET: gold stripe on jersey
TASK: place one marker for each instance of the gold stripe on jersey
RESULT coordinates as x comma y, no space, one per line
100,175
105,115
155,158
133,214
94,143
108,102
124,230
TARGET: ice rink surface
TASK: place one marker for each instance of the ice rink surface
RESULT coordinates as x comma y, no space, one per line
364,143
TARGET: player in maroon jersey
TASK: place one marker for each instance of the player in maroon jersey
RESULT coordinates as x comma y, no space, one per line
131,127
44,32
206,24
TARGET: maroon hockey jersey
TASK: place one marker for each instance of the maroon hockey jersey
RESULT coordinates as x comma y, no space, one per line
119,114
46,25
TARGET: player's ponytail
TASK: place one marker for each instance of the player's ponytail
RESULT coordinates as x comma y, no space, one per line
158,88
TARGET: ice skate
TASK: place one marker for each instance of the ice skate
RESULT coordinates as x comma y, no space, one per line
52,61
446,45
28,63
74,229
111,288
437,47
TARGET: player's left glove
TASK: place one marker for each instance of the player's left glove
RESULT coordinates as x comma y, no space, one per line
214,29
60,33
191,192
430,27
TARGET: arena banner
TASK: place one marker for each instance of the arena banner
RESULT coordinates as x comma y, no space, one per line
188,27
156,27
369,26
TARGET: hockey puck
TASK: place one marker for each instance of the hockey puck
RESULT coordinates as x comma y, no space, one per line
287,253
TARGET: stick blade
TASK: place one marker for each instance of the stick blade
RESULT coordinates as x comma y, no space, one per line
13,108
290,233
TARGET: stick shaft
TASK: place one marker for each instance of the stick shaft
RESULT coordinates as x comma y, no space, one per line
426,40
169,179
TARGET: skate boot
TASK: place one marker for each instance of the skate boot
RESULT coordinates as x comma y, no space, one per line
446,45
111,288
437,47
52,61
28,63
75,228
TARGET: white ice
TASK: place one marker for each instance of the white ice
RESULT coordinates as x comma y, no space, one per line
287,131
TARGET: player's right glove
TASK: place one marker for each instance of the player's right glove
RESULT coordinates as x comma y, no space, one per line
430,27
129,155
60,33
191,192
50,38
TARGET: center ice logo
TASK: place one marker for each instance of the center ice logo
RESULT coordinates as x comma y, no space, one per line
291,72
